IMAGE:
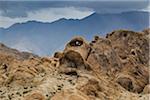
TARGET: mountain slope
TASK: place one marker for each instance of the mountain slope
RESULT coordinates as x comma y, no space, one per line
37,35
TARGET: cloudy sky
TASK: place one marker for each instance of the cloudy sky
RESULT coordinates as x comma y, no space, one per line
12,12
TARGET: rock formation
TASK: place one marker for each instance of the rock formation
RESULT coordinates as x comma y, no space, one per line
115,67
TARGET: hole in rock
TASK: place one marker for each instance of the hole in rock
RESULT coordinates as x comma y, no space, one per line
76,43
125,34
133,53
72,73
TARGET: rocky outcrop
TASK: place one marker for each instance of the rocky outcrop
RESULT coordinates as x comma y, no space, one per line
13,53
112,68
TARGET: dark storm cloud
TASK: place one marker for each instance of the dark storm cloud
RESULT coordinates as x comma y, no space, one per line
14,9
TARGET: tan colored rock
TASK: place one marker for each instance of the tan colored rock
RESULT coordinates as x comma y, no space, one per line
70,95
147,31
79,45
35,96
128,43
103,58
111,68
58,55
147,89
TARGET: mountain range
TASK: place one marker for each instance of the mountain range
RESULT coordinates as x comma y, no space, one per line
46,38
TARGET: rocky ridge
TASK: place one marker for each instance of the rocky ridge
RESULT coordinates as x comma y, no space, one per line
112,68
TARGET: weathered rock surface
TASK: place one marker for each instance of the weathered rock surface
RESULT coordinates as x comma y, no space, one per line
111,68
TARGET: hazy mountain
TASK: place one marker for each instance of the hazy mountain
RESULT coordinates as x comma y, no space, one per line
45,38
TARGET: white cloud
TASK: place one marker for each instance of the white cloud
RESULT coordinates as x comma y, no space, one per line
147,8
47,15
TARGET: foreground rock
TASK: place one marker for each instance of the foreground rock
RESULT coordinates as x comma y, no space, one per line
111,68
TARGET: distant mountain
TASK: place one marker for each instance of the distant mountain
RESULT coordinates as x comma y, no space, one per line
45,38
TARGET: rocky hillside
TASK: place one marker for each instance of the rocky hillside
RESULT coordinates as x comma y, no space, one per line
4,50
112,68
